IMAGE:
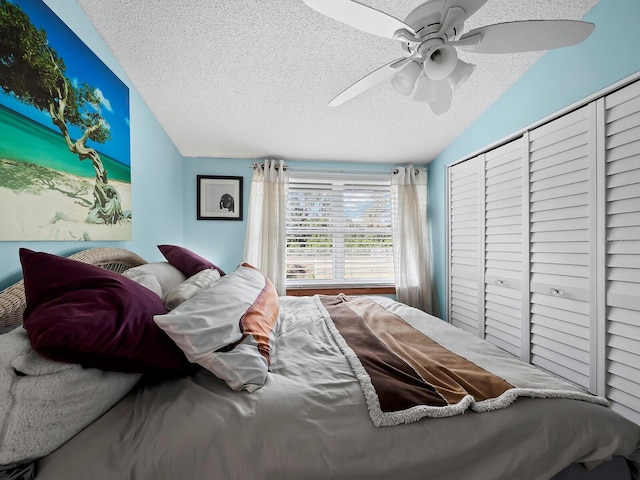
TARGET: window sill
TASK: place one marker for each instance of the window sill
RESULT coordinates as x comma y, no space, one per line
307,291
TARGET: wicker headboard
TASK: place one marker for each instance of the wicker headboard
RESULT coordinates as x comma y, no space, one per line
12,299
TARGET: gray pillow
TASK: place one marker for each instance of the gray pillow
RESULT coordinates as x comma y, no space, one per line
167,275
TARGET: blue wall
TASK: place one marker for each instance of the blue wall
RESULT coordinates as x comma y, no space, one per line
560,78
155,165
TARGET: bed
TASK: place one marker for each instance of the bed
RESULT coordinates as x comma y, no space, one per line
321,407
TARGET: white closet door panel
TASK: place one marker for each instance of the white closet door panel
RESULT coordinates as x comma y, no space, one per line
559,364
628,205
567,282
463,217
558,204
556,192
463,226
624,163
560,293
550,311
546,344
503,243
548,237
506,208
463,176
622,152
503,323
624,130
561,258
625,234
503,340
560,174
630,177
507,297
503,247
503,230
506,178
621,193
504,264
560,166
464,248
567,144
503,258
624,102
462,284
560,247
580,211
496,193
621,179
569,299
560,128
462,209
555,221
574,334
463,301
562,274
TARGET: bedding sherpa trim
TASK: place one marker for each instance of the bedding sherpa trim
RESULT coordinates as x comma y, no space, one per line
386,417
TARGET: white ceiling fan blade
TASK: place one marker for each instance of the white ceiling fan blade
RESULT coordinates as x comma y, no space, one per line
525,36
455,12
381,74
360,16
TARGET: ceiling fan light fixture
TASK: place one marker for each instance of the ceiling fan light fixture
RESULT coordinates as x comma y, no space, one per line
443,100
440,62
460,74
425,90
405,80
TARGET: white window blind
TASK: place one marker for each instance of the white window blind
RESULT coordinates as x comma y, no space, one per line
338,230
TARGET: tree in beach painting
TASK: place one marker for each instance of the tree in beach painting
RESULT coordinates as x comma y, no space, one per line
64,133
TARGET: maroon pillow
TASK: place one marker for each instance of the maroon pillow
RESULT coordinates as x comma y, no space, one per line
186,261
81,313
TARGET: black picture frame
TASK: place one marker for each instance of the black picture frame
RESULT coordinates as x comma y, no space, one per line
219,197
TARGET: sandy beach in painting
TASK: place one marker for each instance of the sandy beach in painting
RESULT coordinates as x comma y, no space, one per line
43,204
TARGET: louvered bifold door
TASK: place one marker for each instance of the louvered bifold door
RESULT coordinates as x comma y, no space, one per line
622,245
562,231
504,239
464,252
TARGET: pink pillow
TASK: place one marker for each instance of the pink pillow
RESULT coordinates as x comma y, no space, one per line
81,313
185,260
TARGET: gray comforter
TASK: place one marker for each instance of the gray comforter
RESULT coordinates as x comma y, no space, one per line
310,421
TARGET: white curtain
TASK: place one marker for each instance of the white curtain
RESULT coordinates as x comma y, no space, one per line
265,241
411,240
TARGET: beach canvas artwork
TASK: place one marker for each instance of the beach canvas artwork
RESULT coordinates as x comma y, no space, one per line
65,156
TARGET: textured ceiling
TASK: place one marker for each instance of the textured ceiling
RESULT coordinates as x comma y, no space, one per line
252,79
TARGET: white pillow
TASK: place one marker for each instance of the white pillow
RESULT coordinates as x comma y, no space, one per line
190,287
44,403
229,327
166,274
148,281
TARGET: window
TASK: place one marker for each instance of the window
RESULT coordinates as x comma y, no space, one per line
338,230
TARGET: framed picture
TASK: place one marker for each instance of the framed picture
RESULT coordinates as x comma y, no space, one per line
219,198
65,173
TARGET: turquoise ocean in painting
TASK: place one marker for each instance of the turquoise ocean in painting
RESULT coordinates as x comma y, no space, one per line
24,140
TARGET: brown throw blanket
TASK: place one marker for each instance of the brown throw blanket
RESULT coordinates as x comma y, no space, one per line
405,375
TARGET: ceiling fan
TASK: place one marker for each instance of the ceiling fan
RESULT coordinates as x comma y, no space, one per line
430,69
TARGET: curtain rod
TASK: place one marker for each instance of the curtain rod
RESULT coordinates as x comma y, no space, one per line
394,170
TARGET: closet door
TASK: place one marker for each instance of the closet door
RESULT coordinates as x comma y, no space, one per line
464,249
504,244
562,242
621,222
